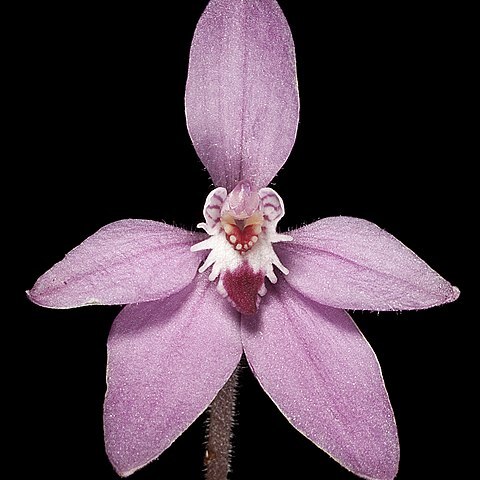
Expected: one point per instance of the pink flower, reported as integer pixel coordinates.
(196, 302)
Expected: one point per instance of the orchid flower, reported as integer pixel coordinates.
(197, 302)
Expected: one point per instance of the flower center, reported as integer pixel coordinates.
(242, 228)
(242, 234)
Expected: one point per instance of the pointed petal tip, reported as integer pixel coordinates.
(37, 299)
(122, 474)
(390, 474)
(47, 301)
(449, 294)
(127, 469)
(126, 473)
(455, 294)
(378, 467)
(384, 472)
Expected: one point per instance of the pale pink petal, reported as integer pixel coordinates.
(127, 261)
(324, 377)
(241, 95)
(351, 263)
(166, 362)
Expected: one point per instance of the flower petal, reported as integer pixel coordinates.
(241, 95)
(127, 261)
(350, 263)
(324, 377)
(166, 362)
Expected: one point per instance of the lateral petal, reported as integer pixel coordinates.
(324, 377)
(128, 261)
(166, 362)
(351, 263)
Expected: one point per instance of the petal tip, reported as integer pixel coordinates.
(34, 298)
(43, 300)
(451, 295)
(382, 467)
(125, 474)
(455, 294)
(387, 471)
(127, 468)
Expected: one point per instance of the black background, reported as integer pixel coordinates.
(384, 133)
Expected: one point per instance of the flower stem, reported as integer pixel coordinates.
(219, 433)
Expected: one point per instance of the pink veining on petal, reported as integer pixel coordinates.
(243, 286)
(212, 210)
(272, 205)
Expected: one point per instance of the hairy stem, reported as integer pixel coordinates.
(219, 433)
